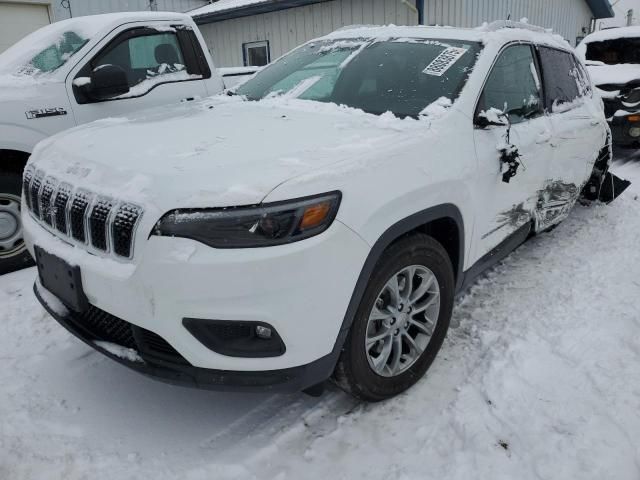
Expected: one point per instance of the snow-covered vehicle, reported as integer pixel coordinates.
(613, 59)
(319, 222)
(79, 70)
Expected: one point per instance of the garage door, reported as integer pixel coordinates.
(18, 20)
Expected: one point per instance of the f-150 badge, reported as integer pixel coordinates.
(45, 112)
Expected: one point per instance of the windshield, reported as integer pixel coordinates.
(44, 51)
(400, 76)
(613, 52)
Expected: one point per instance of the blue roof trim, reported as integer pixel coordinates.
(601, 8)
(255, 9)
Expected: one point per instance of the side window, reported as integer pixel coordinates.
(146, 56)
(583, 79)
(256, 54)
(561, 78)
(513, 86)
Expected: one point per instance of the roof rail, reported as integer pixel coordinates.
(501, 24)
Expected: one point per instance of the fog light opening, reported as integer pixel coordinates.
(263, 332)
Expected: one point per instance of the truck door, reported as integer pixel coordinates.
(512, 138)
(139, 67)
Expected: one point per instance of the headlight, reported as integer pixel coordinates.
(263, 225)
(632, 98)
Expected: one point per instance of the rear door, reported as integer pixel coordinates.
(164, 64)
(506, 196)
(579, 133)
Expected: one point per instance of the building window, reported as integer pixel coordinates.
(256, 54)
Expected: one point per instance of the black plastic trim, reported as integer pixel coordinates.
(287, 380)
(499, 253)
(387, 238)
(247, 346)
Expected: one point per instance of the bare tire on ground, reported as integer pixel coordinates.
(13, 251)
(401, 322)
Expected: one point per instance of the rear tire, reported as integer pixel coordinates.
(13, 251)
(420, 272)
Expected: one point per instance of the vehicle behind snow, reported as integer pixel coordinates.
(613, 60)
(83, 69)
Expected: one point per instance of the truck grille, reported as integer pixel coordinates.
(101, 223)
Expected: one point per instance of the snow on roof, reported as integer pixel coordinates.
(224, 5)
(484, 34)
(613, 34)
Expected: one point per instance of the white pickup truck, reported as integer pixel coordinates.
(87, 68)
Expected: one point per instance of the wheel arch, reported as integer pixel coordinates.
(13, 160)
(443, 222)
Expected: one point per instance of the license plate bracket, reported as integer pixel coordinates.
(62, 280)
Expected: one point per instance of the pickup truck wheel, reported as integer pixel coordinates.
(13, 251)
(401, 322)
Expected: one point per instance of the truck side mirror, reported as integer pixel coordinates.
(107, 81)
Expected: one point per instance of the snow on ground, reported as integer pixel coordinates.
(539, 382)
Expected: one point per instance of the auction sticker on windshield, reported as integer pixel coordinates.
(445, 61)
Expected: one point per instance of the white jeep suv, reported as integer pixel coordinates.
(319, 222)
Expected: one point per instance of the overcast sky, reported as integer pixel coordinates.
(621, 8)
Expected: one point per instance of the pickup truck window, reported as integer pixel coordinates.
(145, 56)
(44, 51)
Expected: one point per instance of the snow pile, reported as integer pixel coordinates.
(539, 382)
(119, 351)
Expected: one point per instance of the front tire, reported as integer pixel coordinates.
(13, 251)
(401, 322)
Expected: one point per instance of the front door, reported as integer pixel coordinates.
(513, 145)
(160, 67)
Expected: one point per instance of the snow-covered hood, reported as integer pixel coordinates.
(218, 152)
(614, 74)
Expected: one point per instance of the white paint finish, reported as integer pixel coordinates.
(17, 20)
(286, 29)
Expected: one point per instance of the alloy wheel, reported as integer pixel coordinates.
(402, 320)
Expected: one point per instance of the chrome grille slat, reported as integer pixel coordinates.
(77, 214)
(49, 187)
(60, 208)
(34, 191)
(99, 223)
(123, 228)
(98, 219)
(26, 184)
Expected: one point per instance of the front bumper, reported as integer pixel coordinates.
(179, 372)
(302, 290)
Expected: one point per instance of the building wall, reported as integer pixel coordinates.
(566, 17)
(289, 28)
(94, 7)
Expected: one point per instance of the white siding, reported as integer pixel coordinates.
(566, 17)
(289, 28)
(94, 7)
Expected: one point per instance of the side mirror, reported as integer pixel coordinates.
(491, 118)
(107, 81)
